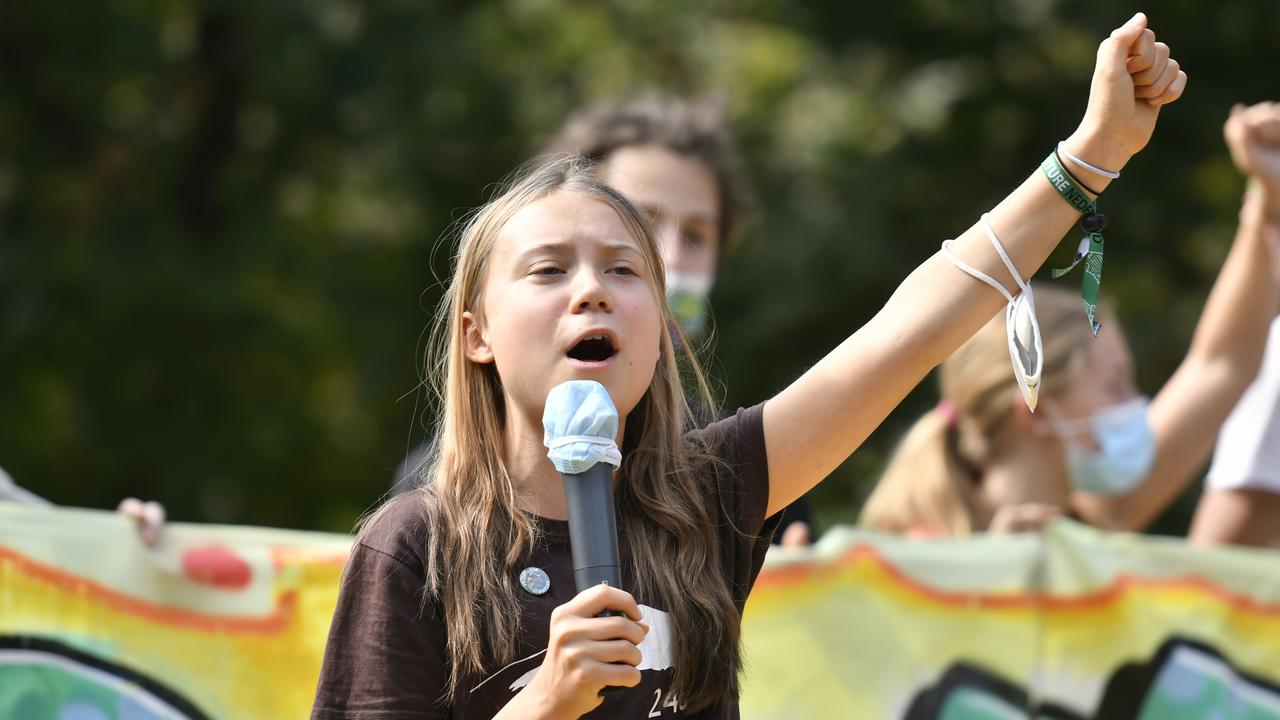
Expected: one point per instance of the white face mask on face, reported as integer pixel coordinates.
(1127, 448)
(688, 294)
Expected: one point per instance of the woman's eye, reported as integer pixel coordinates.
(623, 270)
(545, 270)
(694, 239)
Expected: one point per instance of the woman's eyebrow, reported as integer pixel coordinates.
(551, 247)
(561, 248)
(619, 248)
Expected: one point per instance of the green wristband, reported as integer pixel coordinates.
(1066, 187)
(1090, 250)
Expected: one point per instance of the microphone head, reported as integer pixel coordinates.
(579, 424)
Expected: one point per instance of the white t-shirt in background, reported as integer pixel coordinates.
(1248, 450)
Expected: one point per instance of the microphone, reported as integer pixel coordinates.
(579, 424)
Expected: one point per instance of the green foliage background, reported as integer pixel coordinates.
(220, 222)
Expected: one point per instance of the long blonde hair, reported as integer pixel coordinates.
(932, 478)
(478, 534)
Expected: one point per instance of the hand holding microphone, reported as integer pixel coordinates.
(588, 656)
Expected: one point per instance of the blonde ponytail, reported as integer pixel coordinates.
(926, 487)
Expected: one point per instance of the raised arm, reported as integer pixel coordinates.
(821, 418)
(1226, 350)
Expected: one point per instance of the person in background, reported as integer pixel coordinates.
(1241, 502)
(1097, 449)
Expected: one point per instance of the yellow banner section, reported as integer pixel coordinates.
(229, 622)
(1070, 624)
(215, 622)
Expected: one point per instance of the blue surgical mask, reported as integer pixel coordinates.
(1127, 448)
(687, 295)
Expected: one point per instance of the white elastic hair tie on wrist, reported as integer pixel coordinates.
(1094, 168)
(1026, 350)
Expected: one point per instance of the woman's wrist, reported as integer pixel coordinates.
(532, 705)
(1264, 199)
(1097, 149)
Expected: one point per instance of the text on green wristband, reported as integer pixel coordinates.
(1069, 191)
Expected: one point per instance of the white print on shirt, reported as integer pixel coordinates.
(510, 665)
(655, 650)
(672, 702)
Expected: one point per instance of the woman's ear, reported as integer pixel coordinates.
(473, 340)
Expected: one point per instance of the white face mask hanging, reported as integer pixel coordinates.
(1023, 330)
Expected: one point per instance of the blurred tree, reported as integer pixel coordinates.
(223, 225)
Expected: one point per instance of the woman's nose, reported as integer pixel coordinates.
(591, 292)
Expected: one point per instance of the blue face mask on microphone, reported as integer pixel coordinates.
(579, 423)
(1127, 448)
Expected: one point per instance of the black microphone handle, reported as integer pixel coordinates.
(593, 529)
(593, 534)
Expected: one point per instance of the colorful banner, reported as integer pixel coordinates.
(214, 622)
(229, 622)
(1071, 624)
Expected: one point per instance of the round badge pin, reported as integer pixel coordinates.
(535, 580)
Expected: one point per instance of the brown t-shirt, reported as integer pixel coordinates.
(387, 658)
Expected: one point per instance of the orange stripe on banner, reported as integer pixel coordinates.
(272, 624)
(789, 575)
(282, 556)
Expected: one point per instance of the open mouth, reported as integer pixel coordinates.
(596, 348)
